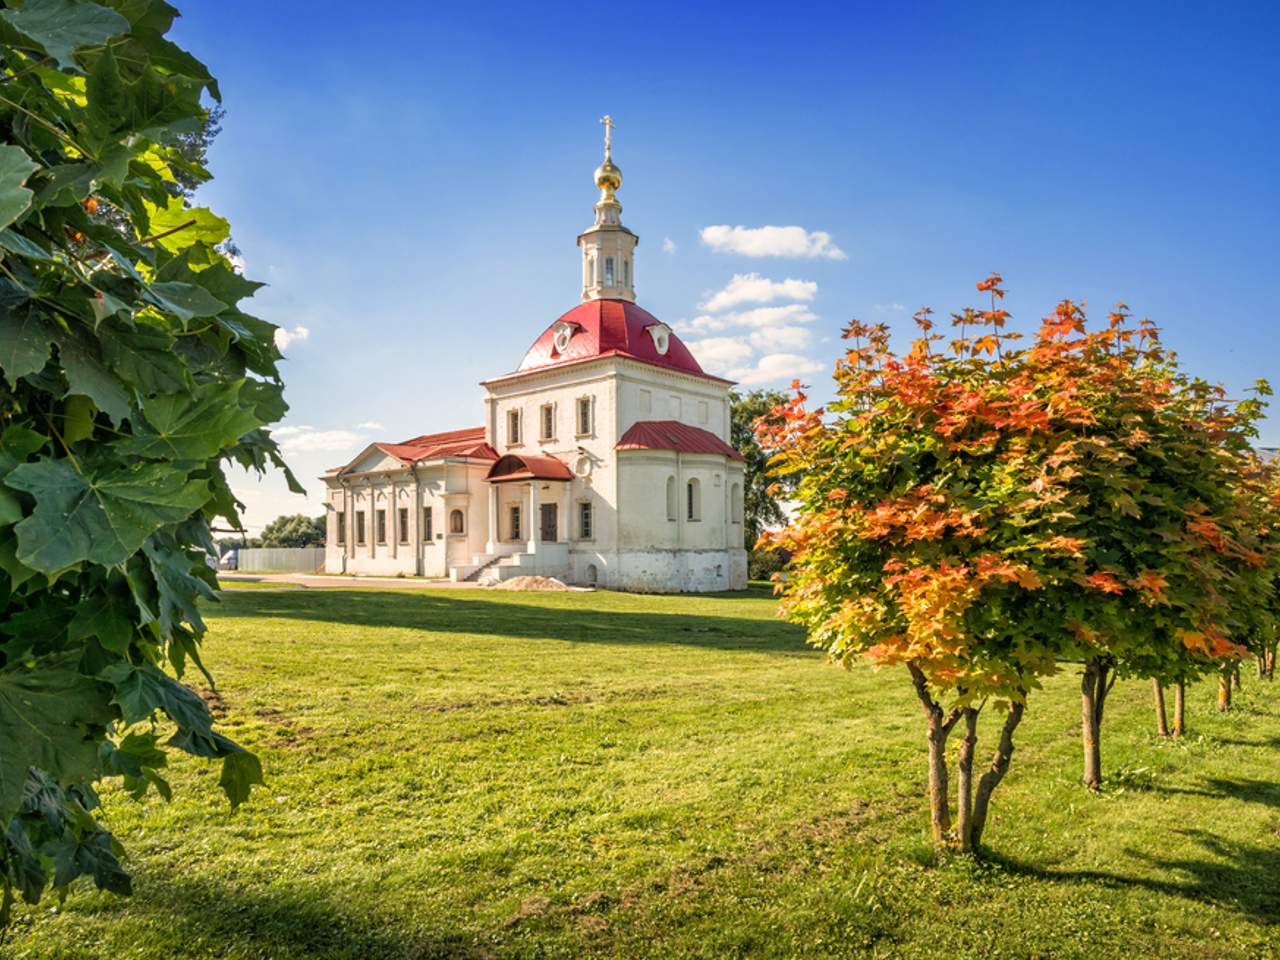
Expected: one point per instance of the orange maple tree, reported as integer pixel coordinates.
(981, 513)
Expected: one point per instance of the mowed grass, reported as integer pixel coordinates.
(474, 774)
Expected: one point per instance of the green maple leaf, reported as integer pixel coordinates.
(59, 26)
(103, 518)
(15, 167)
(194, 426)
(43, 712)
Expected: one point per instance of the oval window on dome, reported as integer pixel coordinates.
(562, 341)
(660, 341)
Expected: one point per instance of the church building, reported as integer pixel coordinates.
(603, 458)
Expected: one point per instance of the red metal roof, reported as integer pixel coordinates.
(674, 435)
(515, 467)
(609, 328)
(436, 446)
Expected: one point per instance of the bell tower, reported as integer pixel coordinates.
(608, 248)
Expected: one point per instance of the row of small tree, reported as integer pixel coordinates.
(983, 513)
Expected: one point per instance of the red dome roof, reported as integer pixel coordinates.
(608, 328)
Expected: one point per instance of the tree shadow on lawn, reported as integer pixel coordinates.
(1239, 877)
(1264, 792)
(293, 924)
(471, 613)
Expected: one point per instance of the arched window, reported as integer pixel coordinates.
(456, 521)
(673, 503)
(592, 573)
(626, 273)
(694, 498)
(608, 271)
(735, 502)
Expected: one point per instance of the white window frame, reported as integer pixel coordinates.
(513, 428)
(547, 421)
(585, 405)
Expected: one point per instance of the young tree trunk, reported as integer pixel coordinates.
(1260, 661)
(1235, 676)
(1271, 662)
(999, 767)
(1094, 687)
(1162, 719)
(964, 785)
(1180, 709)
(939, 728)
(1224, 690)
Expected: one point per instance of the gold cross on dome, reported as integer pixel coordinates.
(609, 127)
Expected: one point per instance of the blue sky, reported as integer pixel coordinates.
(410, 179)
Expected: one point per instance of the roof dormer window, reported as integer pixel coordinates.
(660, 333)
(563, 334)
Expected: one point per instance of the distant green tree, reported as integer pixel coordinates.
(761, 508)
(294, 531)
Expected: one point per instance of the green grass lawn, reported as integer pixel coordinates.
(474, 774)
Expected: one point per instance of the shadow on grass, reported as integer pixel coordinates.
(1233, 875)
(1264, 792)
(284, 923)
(561, 617)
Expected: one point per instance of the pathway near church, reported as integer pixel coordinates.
(335, 580)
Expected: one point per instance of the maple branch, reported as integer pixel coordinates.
(161, 236)
(23, 73)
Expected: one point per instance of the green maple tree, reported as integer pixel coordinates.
(982, 514)
(130, 378)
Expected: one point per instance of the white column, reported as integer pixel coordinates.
(533, 519)
(492, 546)
(568, 511)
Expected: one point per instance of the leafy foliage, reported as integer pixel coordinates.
(294, 531)
(761, 491)
(983, 513)
(129, 378)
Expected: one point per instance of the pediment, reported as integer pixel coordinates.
(373, 460)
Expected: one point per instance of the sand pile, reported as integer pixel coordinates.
(531, 583)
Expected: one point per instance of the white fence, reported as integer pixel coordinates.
(282, 559)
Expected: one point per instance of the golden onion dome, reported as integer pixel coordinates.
(608, 176)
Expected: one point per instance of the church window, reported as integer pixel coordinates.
(694, 497)
(608, 271)
(342, 528)
(735, 502)
(426, 524)
(456, 522)
(382, 526)
(513, 427)
(626, 273)
(360, 527)
(515, 523)
(403, 516)
(584, 520)
(548, 421)
(672, 500)
(584, 416)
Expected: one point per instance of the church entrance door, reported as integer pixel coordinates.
(549, 522)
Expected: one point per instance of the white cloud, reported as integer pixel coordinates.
(370, 426)
(771, 242)
(668, 245)
(320, 440)
(783, 367)
(289, 431)
(718, 354)
(753, 288)
(892, 306)
(777, 338)
(285, 337)
(759, 317)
